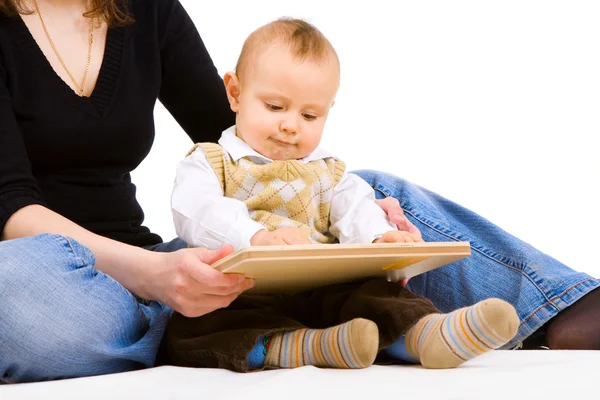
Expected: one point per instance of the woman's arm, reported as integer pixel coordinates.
(192, 90)
(183, 280)
(125, 263)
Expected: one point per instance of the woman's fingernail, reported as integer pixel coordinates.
(398, 216)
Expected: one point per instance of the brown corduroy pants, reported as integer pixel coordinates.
(223, 338)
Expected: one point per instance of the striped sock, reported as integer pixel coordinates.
(448, 340)
(353, 344)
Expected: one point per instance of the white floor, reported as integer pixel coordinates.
(507, 375)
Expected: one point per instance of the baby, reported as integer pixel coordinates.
(267, 182)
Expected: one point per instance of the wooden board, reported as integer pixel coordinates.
(302, 267)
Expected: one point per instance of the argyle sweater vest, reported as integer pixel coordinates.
(280, 193)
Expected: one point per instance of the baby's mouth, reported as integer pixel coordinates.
(283, 143)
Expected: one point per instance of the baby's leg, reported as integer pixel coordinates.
(264, 331)
(224, 338)
(412, 329)
(448, 340)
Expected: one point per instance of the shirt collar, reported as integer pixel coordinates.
(238, 149)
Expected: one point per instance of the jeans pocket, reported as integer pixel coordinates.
(79, 255)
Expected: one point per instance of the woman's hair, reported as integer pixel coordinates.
(113, 12)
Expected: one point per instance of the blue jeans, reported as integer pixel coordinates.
(62, 318)
(500, 265)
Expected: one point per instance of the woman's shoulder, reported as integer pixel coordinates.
(159, 9)
(160, 15)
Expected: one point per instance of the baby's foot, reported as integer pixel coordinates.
(353, 344)
(448, 340)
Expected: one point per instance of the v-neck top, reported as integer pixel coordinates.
(74, 154)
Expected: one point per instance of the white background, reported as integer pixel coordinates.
(493, 104)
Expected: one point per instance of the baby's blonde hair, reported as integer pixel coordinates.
(304, 40)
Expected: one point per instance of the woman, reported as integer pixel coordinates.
(85, 288)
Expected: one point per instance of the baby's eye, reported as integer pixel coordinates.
(309, 117)
(273, 107)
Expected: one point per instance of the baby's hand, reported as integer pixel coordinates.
(282, 236)
(399, 237)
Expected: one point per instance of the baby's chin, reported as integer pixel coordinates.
(283, 155)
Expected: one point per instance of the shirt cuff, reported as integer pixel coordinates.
(239, 236)
(373, 232)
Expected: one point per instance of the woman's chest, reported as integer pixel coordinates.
(112, 128)
(74, 50)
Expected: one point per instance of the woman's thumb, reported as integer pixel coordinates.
(212, 256)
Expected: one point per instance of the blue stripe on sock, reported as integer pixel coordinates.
(324, 347)
(453, 339)
(285, 348)
(474, 322)
(344, 327)
(429, 325)
(256, 357)
(309, 333)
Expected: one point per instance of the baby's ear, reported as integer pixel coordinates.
(232, 87)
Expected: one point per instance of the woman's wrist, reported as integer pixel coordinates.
(138, 271)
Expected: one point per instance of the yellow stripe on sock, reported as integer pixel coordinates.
(298, 348)
(335, 348)
(466, 334)
(327, 347)
(460, 343)
(318, 348)
(488, 330)
(476, 336)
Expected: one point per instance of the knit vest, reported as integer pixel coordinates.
(280, 193)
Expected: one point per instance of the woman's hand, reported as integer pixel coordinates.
(282, 236)
(187, 283)
(392, 208)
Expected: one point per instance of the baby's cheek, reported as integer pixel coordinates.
(310, 144)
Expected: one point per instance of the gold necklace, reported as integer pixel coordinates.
(80, 87)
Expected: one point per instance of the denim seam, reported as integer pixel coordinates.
(383, 191)
(551, 301)
(92, 265)
(69, 246)
(92, 257)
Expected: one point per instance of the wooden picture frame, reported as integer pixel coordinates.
(277, 269)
